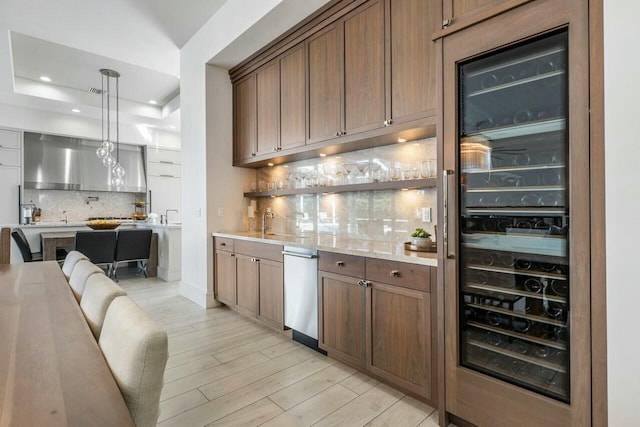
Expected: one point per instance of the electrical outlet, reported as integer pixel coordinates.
(197, 212)
(220, 212)
(426, 214)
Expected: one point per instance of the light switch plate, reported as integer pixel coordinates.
(426, 214)
(220, 212)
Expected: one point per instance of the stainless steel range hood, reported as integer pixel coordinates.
(64, 163)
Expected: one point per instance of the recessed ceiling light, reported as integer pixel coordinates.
(402, 140)
(269, 164)
(152, 102)
(323, 155)
(75, 110)
(45, 79)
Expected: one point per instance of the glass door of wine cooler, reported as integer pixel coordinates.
(514, 216)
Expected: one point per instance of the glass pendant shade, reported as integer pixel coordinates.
(102, 152)
(118, 171)
(108, 145)
(109, 161)
(117, 181)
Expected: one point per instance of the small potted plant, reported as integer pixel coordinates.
(421, 238)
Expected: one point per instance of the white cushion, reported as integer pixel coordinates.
(79, 276)
(70, 261)
(98, 294)
(135, 348)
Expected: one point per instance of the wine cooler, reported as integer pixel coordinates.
(514, 216)
(515, 219)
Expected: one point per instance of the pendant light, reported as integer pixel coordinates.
(108, 146)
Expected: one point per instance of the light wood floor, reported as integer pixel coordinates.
(224, 369)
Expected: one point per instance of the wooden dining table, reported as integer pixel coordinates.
(52, 372)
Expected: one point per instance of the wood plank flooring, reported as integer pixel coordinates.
(227, 370)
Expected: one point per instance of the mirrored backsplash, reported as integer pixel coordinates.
(390, 215)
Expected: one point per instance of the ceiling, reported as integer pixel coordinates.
(69, 41)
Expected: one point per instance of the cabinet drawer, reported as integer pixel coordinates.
(164, 169)
(349, 265)
(224, 244)
(9, 157)
(164, 156)
(9, 139)
(259, 250)
(403, 274)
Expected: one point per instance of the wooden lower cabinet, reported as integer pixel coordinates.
(383, 328)
(399, 336)
(226, 277)
(250, 279)
(271, 293)
(342, 317)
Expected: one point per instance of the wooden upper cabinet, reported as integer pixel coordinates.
(325, 79)
(458, 14)
(293, 86)
(245, 118)
(413, 59)
(268, 108)
(364, 68)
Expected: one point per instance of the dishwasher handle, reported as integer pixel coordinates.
(295, 254)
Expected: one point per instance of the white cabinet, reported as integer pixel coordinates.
(164, 183)
(10, 175)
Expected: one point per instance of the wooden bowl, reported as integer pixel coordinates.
(104, 226)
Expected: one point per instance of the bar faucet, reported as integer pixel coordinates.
(166, 215)
(66, 217)
(265, 215)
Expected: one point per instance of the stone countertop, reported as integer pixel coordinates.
(325, 242)
(76, 224)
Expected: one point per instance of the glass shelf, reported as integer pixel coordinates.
(543, 341)
(515, 83)
(528, 168)
(408, 184)
(524, 129)
(499, 291)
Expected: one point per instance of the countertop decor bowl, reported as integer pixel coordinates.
(103, 225)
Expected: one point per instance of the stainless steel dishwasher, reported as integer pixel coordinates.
(301, 294)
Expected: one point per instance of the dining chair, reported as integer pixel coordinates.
(25, 249)
(99, 292)
(132, 245)
(70, 262)
(81, 272)
(136, 350)
(98, 246)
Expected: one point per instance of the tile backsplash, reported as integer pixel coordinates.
(389, 215)
(81, 205)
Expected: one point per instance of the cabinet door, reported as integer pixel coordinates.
(399, 336)
(268, 115)
(325, 81)
(462, 13)
(413, 59)
(166, 193)
(341, 317)
(246, 284)
(364, 68)
(245, 118)
(271, 293)
(226, 278)
(9, 181)
(293, 98)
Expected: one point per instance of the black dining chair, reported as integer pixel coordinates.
(25, 249)
(99, 246)
(133, 245)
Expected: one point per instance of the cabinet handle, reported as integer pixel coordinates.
(339, 263)
(275, 149)
(344, 132)
(338, 133)
(385, 123)
(253, 154)
(445, 208)
(394, 273)
(166, 162)
(166, 176)
(223, 244)
(363, 283)
(232, 255)
(447, 22)
(253, 260)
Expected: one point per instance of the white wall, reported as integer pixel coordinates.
(622, 90)
(209, 181)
